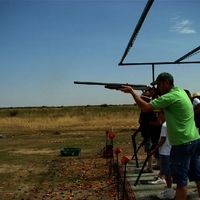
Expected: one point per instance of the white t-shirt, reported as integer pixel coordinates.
(166, 147)
(195, 102)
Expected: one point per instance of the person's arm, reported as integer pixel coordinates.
(144, 106)
(160, 143)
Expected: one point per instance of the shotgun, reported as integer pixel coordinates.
(114, 85)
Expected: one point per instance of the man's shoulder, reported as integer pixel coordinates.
(177, 94)
(177, 90)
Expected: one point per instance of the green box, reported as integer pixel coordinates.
(70, 151)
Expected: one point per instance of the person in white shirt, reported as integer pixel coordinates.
(164, 152)
(196, 106)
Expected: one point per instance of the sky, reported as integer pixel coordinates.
(46, 45)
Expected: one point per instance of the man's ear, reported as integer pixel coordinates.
(166, 81)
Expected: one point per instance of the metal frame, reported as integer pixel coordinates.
(133, 38)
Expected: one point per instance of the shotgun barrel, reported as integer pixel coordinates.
(113, 85)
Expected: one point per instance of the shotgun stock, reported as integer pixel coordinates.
(114, 85)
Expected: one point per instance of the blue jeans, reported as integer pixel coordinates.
(185, 162)
(164, 164)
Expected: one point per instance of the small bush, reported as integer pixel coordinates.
(13, 113)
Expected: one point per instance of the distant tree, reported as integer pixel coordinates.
(103, 105)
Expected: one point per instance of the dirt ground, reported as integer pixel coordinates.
(42, 173)
(81, 179)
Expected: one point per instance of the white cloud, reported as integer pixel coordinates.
(182, 26)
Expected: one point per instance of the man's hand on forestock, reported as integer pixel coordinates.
(126, 89)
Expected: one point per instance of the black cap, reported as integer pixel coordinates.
(161, 77)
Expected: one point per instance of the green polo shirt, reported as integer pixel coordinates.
(179, 116)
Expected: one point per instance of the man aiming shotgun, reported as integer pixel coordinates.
(182, 133)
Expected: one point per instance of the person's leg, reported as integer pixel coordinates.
(149, 166)
(168, 180)
(148, 147)
(168, 193)
(165, 169)
(156, 156)
(194, 173)
(181, 192)
(158, 163)
(149, 163)
(180, 158)
(198, 187)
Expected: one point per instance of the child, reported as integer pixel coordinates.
(164, 153)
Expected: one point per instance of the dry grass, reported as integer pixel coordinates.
(70, 118)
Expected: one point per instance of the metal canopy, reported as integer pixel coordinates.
(191, 53)
(134, 35)
(137, 29)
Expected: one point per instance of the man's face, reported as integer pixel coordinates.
(162, 87)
